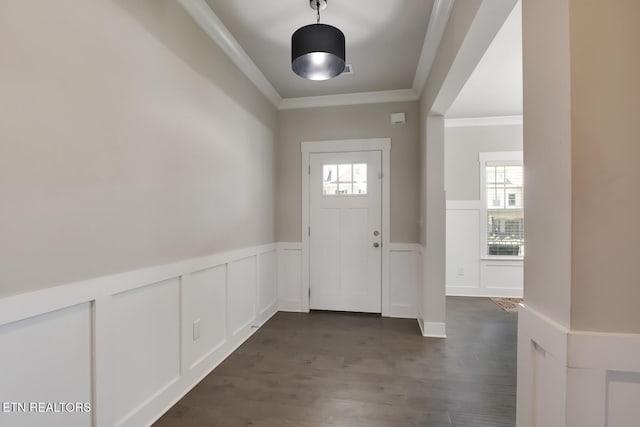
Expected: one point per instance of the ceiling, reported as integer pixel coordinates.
(495, 86)
(384, 41)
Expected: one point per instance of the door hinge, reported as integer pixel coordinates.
(309, 293)
(309, 231)
(309, 169)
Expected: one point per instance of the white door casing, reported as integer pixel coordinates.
(383, 146)
(345, 192)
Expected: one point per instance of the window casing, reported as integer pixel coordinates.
(502, 205)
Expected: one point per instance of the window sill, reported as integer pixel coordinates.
(502, 258)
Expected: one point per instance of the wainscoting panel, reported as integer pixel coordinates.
(204, 294)
(241, 295)
(126, 344)
(466, 273)
(290, 276)
(267, 284)
(623, 398)
(404, 279)
(542, 374)
(502, 278)
(47, 358)
(146, 347)
(575, 378)
(463, 253)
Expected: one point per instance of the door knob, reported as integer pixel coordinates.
(376, 245)
(376, 233)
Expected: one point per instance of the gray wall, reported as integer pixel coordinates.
(605, 126)
(127, 139)
(350, 122)
(461, 148)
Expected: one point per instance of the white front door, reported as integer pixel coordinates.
(345, 197)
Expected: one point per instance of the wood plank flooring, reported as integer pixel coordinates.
(340, 369)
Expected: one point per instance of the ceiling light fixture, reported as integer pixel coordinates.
(318, 50)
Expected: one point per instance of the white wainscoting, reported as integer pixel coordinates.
(404, 277)
(127, 343)
(466, 273)
(405, 260)
(290, 295)
(574, 378)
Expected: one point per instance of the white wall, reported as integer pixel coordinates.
(130, 337)
(466, 273)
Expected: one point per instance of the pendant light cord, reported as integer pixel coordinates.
(318, 10)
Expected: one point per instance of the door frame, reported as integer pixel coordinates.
(344, 146)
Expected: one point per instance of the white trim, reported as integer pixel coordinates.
(463, 291)
(400, 95)
(216, 30)
(483, 121)
(586, 351)
(403, 247)
(22, 306)
(433, 329)
(437, 24)
(346, 145)
(463, 205)
(349, 145)
(293, 302)
(500, 156)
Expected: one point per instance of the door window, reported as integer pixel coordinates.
(345, 179)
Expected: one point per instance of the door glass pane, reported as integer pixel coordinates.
(329, 179)
(345, 188)
(344, 172)
(360, 188)
(360, 172)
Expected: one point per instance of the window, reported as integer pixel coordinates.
(348, 179)
(502, 204)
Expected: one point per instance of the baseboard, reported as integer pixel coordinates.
(403, 311)
(433, 329)
(460, 291)
(293, 306)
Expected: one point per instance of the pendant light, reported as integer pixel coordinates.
(318, 50)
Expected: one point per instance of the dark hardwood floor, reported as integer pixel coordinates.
(339, 369)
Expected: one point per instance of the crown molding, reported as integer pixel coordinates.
(435, 30)
(218, 32)
(483, 121)
(400, 95)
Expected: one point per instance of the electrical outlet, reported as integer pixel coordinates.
(196, 329)
(460, 271)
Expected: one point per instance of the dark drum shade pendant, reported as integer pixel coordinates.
(318, 50)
